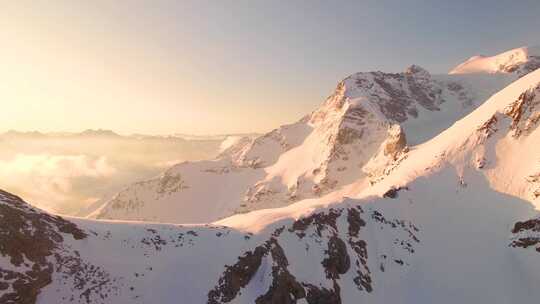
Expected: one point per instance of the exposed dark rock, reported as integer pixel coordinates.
(355, 221)
(395, 143)
(30, 236)
(527, 234)
(320, 221)
(526, 242)
(321, 295)
(338, 260)
(402, 92)
(425, 95)
(393, 192)
(45, 242)
(532, 225)
(347, 136)
(522, 69)
(356, 115)
(237, 276)
(170, 183)
(524, 112)
(363, 276)
(318, 229)
(531, 65)
(363, 281)
(285, 289)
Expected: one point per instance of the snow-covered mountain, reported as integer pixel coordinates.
(358, 132)
(452, 222)
(320, 258)
(519, 62)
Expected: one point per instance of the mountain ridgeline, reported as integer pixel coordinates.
(358, 133)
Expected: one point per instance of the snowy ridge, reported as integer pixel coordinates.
(518, 61)
(489, 139)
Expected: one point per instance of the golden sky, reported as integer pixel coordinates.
(209, 67)
(69, 67)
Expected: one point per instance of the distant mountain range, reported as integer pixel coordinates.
(111, 134)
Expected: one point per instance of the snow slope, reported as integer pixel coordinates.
(370, 115)
(519, 62)
(85, 261)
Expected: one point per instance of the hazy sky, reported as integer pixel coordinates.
(224, 66)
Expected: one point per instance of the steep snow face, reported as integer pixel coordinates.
(350, 137)
(520, 62)
(499, 140)
(469, 190)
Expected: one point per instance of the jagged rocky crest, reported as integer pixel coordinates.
(337, 247)
(32, 241)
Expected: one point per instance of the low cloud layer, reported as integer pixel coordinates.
(67, 174)
(52, 180)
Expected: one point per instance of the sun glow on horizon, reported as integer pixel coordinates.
(162, 67)
(67, 69)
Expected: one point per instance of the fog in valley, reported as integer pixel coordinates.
(67, 173)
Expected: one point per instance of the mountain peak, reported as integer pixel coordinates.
(29, 134)
(416, 70)
(369, 116)
(518, 61)
(99, 132)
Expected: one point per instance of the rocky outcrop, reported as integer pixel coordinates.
(334, 242)
(525, 112)
(36, 250)
(395, 143)
(526, 234)
(399, 95)
(523, 115)
(531, 65)
(393, 192)
(31, 240)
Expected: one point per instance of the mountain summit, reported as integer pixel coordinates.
(359, 133)
(520, 62)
